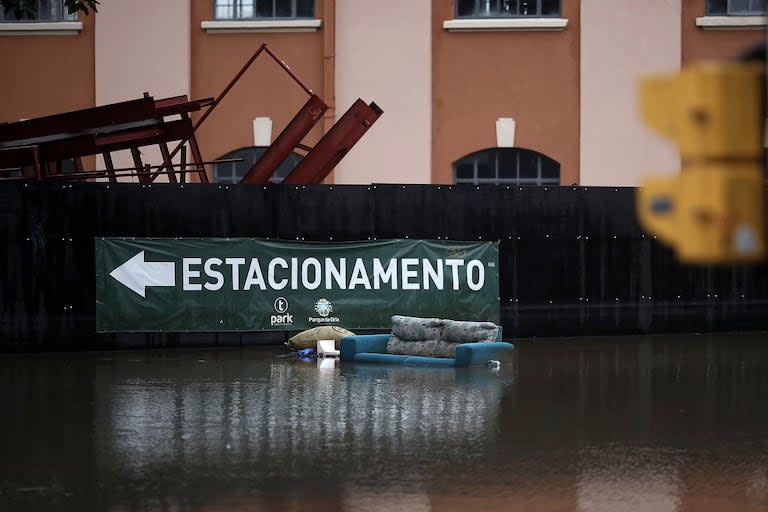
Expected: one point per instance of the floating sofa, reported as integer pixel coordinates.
(430, 342)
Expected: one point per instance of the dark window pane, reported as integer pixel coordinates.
(465, 171)
(264, 9)
(485, 171)
(550, 7)
(527, 8)
(738, 7)
(717, 6)
(529, 161)
(49, 10)
(465, 8)
(283, 9)
(758, 7)
(305, 8)
(550, 169)
(508, 164)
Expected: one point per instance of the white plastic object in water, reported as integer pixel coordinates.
(326, 363)
(326, 348)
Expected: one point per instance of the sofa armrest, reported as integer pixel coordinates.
(372, 343)
(478, 354)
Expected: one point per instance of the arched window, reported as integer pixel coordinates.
(509, 166)
(232, 172)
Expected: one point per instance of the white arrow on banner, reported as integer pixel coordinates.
(136, 274)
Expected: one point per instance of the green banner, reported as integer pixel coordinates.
(239, 284)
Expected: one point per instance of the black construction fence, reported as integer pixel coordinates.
(573, 260)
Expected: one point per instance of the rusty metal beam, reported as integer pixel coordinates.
(183, 163)
(79, 120)
(319, 163)
(110, 166)
(243, 69)
(89, 145)
(136, 154)
(131, 171)
(168, 163)
(288, 139)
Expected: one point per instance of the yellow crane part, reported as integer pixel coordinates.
(713, 211)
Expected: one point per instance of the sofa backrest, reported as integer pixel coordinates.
(468, 332)
(437, 337)
(411, 328)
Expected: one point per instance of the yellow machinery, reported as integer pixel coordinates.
(713, 212)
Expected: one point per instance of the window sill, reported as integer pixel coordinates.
(248, 26)
(54, 28)
(499, 24)
(731, 22)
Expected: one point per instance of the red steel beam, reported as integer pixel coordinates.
(288, 139)
(79, 120)
(319, 163)
(215, 103)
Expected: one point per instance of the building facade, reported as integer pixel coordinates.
(529, 92)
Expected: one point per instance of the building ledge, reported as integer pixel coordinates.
(54, 28)
(504, 24)
(247, 26)
(732, 22)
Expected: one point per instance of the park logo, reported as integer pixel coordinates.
(282, 317)
(323, 307)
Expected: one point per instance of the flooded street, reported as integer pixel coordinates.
(664, 423)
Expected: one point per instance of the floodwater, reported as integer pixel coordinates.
(657, 424)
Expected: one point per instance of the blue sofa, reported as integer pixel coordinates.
(372, 348)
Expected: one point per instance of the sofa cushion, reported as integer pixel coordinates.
(468, 332)
(308, 338)
(428, 348)
(411, 328)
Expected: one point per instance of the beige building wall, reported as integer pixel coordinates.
(383, 54)
(141, 45)
(618, 46)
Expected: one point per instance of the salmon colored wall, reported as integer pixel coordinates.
(699, 44)
(395, 72)
(45, 75)
(478, 77)
(618, 48)
(265, 90)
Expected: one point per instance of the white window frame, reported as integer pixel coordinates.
(237, 25)
(505, 23)
(488, 14)
(733, 19)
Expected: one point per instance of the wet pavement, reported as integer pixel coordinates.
(665, 423)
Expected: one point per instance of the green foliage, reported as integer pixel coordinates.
(27, 9)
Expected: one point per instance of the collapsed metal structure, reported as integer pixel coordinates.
(34, 149)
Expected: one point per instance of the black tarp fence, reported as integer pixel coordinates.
(573, 260)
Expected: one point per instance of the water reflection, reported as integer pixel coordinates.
(290, 412)
(665, 424)
(620, 476)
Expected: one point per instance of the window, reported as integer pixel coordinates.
(507, 8)
(736, 8)
(261, 9)
(47, 11)
(506, 166)
(232, 172)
